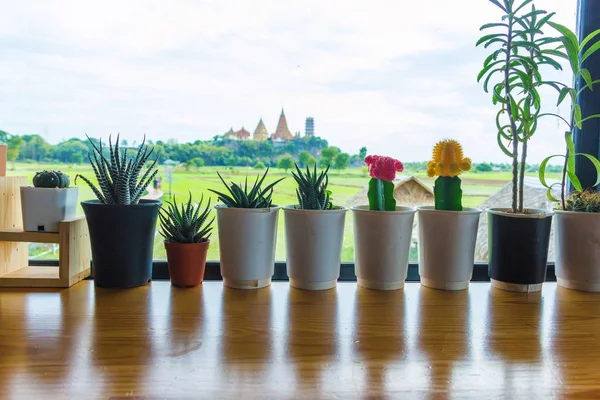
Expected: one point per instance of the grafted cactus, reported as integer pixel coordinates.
(447, 163)
(118, 176)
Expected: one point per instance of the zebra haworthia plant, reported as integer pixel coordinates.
(120, 178)
(312, 190)
(186, 223)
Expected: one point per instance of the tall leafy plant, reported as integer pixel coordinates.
(512, 74)
(576, 54)
(120, 178)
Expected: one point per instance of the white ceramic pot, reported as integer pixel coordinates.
(247, 238)
(447, 247)
(577, 249)
(382, 242)
(44, 208)
(314, 246)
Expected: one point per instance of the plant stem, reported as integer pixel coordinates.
(563, 182)
(513, 125)
(522, 175)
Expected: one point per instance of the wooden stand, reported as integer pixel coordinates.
(73, 239)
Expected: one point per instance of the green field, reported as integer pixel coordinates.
(345, 184)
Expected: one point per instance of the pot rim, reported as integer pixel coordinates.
(540, 214)
(465, 211)
(400, 210)
(33, 187)
(292, 208)
(575, 212)
(273, 208)
(186, 244)
(142, 203)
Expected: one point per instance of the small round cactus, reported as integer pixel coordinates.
(51, 179)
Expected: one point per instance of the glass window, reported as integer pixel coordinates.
(235, 86)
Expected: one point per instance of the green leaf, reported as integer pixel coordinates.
(526, 2)
(588, 38)
(577, 115)
(593, 48)
(562, 95)
(493, 25)
(596, 163)
(497, 3)
(504, 149)
(542, 170)
(595, 116)
(448, 194)
(491, 36)
(587, 77)
(555, 53)
(487, 68)
(487, 80)
(570, 152)
(575, 181)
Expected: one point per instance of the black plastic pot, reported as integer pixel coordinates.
(122, 239)
(518, 246)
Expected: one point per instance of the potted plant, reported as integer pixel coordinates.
(121, 226)
(314, 230)
(518, 236)
(382, 231)
(49, 201)
(186, 232)
(247, 225)
(577, 219)
(447, 231)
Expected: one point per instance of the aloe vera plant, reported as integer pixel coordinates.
(312, 190)
(186, 223)
(240, 197)
(120, 178)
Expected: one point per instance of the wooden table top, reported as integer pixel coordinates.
(283, 343)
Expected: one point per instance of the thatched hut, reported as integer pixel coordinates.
(534, 197)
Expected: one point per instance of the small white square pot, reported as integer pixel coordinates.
(314, 241)
(577, 248)
(382, 246)
(447, 247)
(44, 208)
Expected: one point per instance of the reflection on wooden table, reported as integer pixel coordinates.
(283, 343)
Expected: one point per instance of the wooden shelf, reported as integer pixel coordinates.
(31, 237)
(72, 238)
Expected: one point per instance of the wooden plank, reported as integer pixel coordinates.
(211, 342)
(32, 277)
(30, 237)
(13, 256)
(75, 251)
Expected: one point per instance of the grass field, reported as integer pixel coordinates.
(345, 184)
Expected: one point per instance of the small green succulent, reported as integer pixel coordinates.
(586, 201)
(240, 197)
(186, 223)
(312, 190)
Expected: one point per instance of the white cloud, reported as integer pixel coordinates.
(192, 69)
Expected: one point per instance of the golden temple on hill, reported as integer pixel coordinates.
(282, 132)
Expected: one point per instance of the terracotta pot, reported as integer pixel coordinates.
(447, 247)
(314, 241)
(382, 242)
(247, 239)
(518, 249)
(577, 246)
(187, 262)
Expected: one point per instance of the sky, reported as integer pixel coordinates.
(394, 76)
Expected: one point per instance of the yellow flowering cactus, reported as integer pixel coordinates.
(447, 163)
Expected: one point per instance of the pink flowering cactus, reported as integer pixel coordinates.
(381, 188)
(383, 167)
